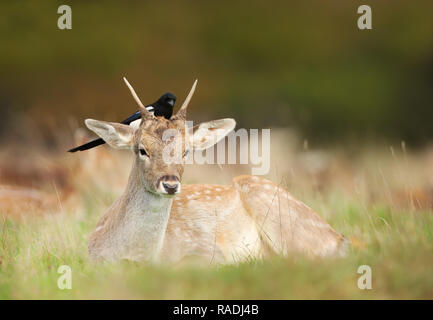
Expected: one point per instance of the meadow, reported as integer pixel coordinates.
(379, 195)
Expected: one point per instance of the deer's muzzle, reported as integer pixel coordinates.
(169, 185)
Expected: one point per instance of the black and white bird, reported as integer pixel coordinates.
(163, 107)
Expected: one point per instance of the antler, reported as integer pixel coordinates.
(181, 114)
(143, 110)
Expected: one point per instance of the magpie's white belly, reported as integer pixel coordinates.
(135, 124)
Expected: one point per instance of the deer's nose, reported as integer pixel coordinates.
(169, 184)
(170, 187)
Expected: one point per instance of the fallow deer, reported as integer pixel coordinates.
(154, 221)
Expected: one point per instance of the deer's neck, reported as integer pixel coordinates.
(144, 220)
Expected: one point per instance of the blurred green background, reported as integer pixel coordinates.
(303, 64)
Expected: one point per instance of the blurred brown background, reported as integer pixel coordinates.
(350, 113)
(302, 64)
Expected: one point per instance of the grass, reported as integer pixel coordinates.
(397, 246)
(396, 241)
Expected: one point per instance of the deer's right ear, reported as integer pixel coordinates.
(118, 136)
(209, 133)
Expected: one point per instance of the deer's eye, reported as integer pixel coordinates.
(142, 152)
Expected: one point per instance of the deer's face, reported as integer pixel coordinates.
(160, 146)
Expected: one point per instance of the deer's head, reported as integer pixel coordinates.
(160, 146)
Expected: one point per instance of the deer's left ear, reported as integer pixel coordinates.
(118, 136)
(209, 133)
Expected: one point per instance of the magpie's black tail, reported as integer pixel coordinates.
(88, 145)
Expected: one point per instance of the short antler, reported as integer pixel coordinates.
(181, 114)
(143, 110)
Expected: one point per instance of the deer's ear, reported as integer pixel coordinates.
(118, 136)
(209, 133)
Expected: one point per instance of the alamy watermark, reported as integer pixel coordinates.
(65, 20)
(364, 281)
(364, 21)
(254, 149)
(65, 280)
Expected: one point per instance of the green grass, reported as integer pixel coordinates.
(397, 245)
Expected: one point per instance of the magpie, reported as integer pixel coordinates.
(163, 107)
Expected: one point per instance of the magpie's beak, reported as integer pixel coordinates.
(171, 102)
